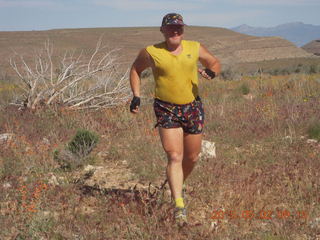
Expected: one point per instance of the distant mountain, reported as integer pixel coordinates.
(313, 47)
(296, 32)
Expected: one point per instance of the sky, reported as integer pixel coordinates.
(56, 14)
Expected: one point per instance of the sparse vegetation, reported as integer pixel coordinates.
(264, 183)
(244, 89)
(300, 68)
(314, 131)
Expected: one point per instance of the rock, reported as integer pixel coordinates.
(6, 137)
(312, 141)
(214, 226)
(53, 180)
(85, 210)
(89, 168)
(208, 149)
(248, 96)
(288, 138)
(111, 177)
(28, 149)
(103, 155)
(67, 159)
(6, 185)
(116, 177)
(315, 224)
(46, 141)
(49, 214)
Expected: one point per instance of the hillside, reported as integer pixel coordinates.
(312, 47)
(262, 184)
(296, 32)
(83, 174)
(229, 46)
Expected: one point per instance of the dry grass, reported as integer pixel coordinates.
(264, 183)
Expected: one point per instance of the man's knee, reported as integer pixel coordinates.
(192, 158)
(175, 157)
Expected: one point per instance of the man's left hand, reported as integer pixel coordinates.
(207, 73)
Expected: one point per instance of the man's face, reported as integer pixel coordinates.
(172, 33)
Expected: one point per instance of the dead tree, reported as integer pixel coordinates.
(73, 80)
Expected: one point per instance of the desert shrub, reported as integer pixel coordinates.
(312, 69)
(314, 131)
(274, 72)
(83, 142)
(285, 71)
(244, 89)
(298, 68)
(77, 150)
(68, 160)
(229, 74)
(10, 167)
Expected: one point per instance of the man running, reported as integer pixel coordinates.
(177, 105)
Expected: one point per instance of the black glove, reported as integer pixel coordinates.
(135, 102)
(210, 73)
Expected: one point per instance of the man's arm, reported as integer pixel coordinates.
(142, 62)
(210, 62)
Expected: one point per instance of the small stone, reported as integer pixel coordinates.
(46, 141)
(208, 149)
(315, 223)
(312, 141)
(214, 226)
(89, 168)
(248, 96)
(103, 155)
(53, 180)
(6, 137)
(6, 185)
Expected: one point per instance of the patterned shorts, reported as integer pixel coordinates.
(188, 116)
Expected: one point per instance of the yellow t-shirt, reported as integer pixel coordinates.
(176, 77)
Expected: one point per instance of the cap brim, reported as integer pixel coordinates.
(176, 24)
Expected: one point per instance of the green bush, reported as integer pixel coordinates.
(314, 131)
(83, 142)
(312, 69)
(244, 89)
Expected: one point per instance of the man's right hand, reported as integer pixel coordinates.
(134, 105)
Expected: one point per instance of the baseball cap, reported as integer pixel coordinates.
(172, 19)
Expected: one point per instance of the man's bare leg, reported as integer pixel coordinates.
(172, 142)
(192, 148)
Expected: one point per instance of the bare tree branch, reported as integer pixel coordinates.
(78, 82)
